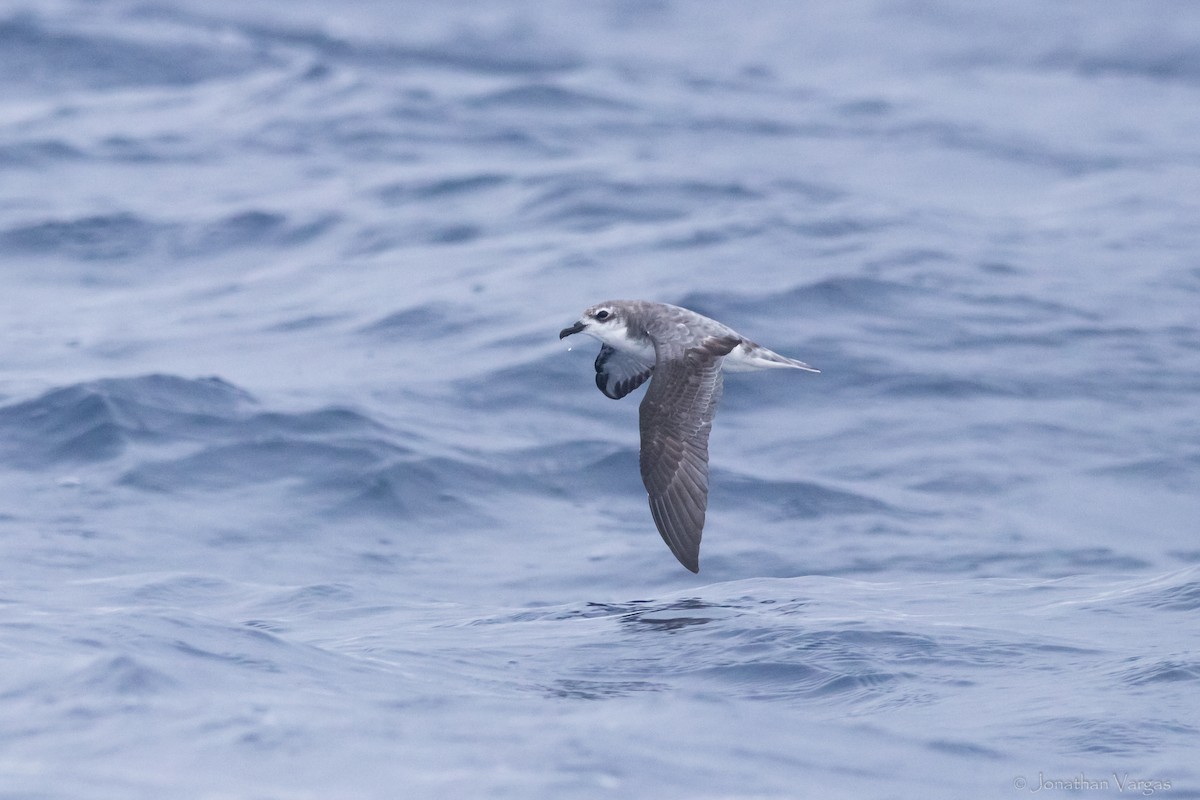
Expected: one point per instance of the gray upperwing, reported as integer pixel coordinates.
(676, 417)
(619, 373)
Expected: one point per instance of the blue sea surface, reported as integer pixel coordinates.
(302, 497)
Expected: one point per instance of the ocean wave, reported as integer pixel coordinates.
(41, 53)
(99, 237)
(542, 96)
(95, 421)
(125, 236)
(403, 519)
(590, 204)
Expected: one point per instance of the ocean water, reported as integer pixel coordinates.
(302, 497)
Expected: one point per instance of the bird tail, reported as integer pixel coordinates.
(751, 356)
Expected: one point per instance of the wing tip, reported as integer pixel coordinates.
(685, 551)
(602, 385)
(690, 561)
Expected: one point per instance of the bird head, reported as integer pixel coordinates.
(603, 321)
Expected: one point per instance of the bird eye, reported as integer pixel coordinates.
(602, 314)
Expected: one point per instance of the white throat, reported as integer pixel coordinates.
(617, 336)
